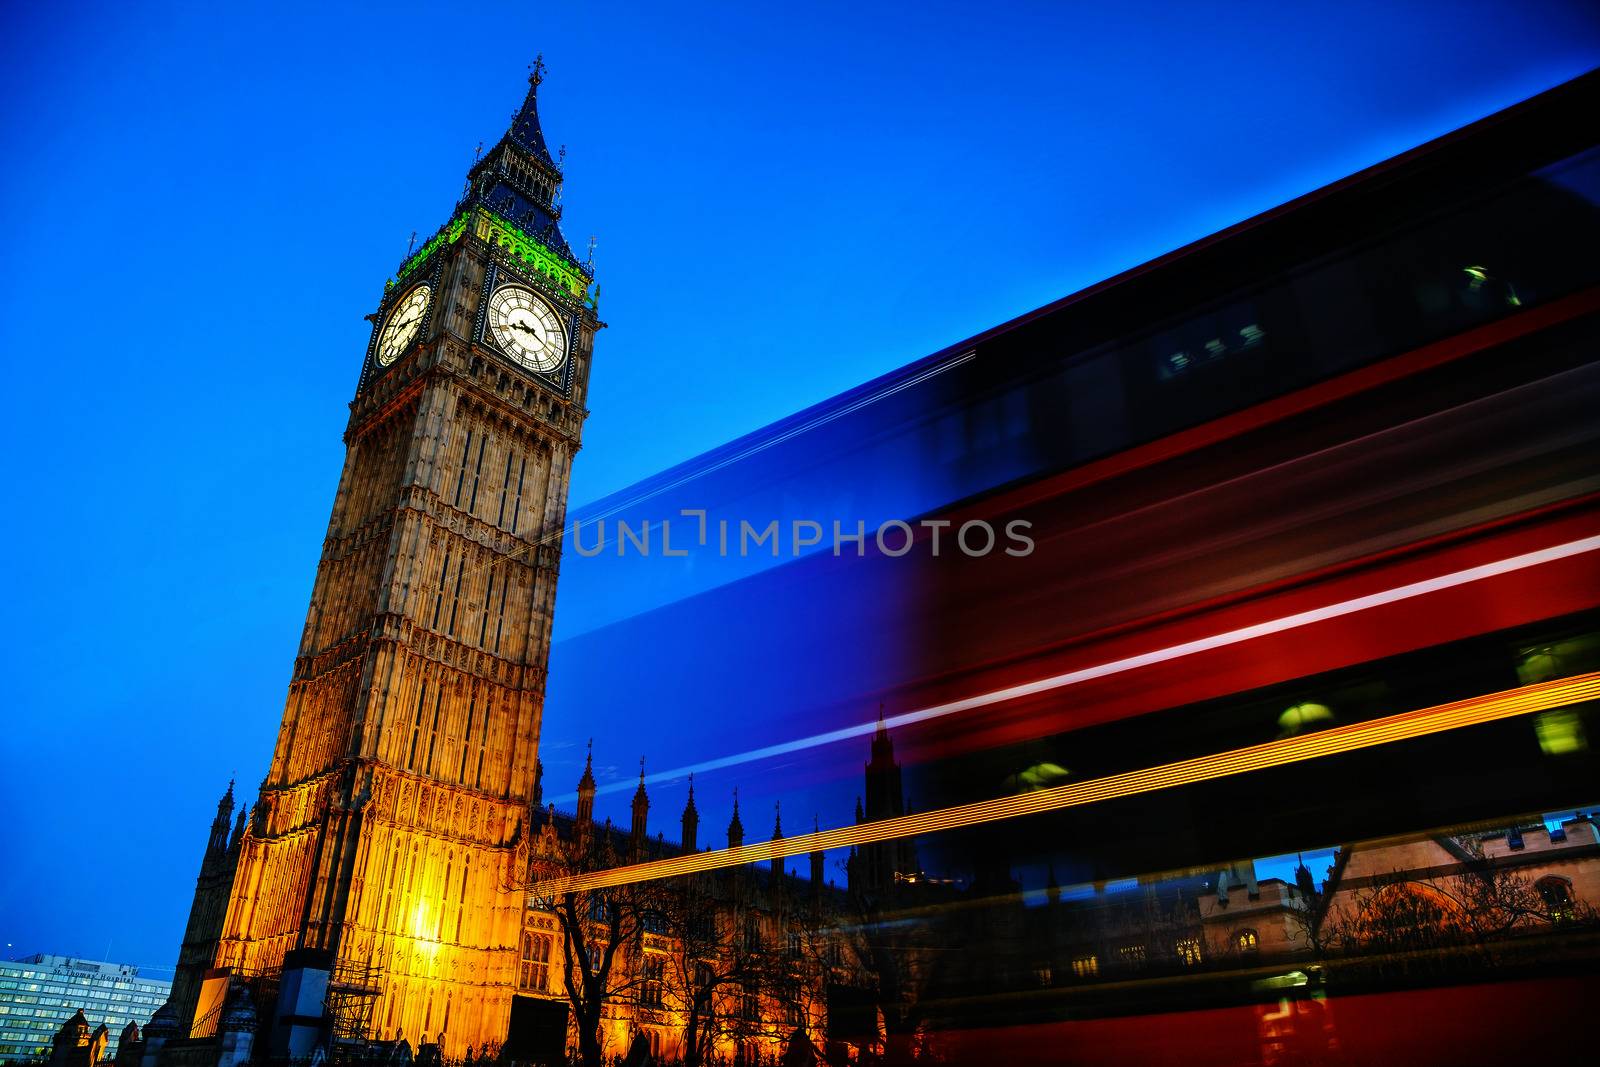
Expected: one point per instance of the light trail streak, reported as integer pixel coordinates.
(1383, 731)
(1310, 617)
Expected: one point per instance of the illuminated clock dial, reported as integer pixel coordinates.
(404, 322)
(527, 329)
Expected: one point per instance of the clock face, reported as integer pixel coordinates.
(527, 329)
(404, 322)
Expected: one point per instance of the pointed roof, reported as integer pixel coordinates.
(882, 745)
(734, 824)
(639, 795)
(525, 131)
(519, 181)
(587, 781)
(689, 808)
(777, 820)
(219, 825)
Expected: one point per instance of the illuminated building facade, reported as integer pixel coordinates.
(388, 826)
(41, 992)
(749, 952)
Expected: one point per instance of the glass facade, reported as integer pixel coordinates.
(39, 993)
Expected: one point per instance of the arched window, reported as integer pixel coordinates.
(1246, 942)
(1556, 893)
(534, 973)
(650, 994)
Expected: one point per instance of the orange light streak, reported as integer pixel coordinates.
(1405, 726)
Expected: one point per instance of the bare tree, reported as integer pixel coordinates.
(1400, 922)
(1308, 919)
(708, 959)
(725, 959)
(1497, 900)
(890, 946)
(600, 930)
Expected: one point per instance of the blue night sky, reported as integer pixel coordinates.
(199, 207)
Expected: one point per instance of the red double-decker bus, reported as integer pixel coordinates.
(1278, 745)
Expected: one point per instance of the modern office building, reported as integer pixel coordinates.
(40, 992)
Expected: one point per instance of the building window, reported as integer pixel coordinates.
(1556, 893)
(794, 943)
(1133, 955)
(752, 934)
(534, 973)
(1086, 966)
(1246, 942)
(650, 990)
(1187, 950)
(750, 1004)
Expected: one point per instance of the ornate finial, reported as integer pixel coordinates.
(641, 772)
(588, 761)
(561, 156)
(880, 713)
(536, 70)
(477, 153)
(736, 800)
(590, 263)
(777, 818)
(411, 244)
(691, 785)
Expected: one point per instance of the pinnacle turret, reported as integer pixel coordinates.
(586, 789)
(218, 841)
(735, 827)
(777, 835)
(641, 812)
(691, 821)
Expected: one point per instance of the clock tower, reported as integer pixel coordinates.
(389, 843)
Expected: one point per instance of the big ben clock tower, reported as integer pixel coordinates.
(390, 829)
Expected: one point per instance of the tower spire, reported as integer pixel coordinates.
(586, 789)
(776, 884)
(691, 821)
(641, 812)
(816, 864)
(525, 131)
(735, 827)
(218, 841)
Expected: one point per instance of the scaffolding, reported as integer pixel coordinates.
(353, 990)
